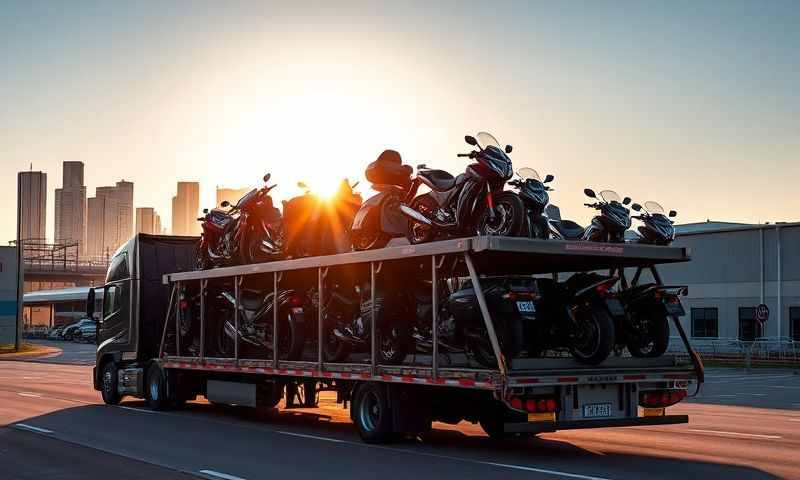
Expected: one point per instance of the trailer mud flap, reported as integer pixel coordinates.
(412, 409)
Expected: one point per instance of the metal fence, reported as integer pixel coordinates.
(777, 350)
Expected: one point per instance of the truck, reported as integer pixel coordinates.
(140, 354)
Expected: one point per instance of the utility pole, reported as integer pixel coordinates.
(20, 268)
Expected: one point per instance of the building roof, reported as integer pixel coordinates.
(712, 226)
(57, 296)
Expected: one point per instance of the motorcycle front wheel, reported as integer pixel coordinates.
(593, 339)
(392, 345)
(509, 216)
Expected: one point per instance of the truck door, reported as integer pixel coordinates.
(115, 321)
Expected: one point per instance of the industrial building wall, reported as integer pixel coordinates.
(731, 270)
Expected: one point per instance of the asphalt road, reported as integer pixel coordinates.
(742, 426)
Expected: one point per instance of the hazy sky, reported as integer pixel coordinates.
(693, 104)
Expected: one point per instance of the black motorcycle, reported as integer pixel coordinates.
(576, 314)
(469, 204)
(609, 226)
(461, 328)
(656, 228)
(533, 192)
(248, 232)
(347, 321)
(255, 330)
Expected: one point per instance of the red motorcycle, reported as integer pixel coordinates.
(248, 232)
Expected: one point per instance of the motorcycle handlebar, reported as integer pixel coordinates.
(464, 155)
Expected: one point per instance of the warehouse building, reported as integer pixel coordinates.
(734, 268)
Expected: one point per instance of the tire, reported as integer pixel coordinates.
(655, 341)
(108, 384)
(509, 334)
(392, 345)
(420, 233)
(595, 343)
(509, 216)
(201, 257)
(335, 350)
(156, 391)
(364, 240)
(371, 415)
(291, 339)
(492, 417)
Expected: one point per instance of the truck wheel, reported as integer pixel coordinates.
(156, 393)
(108, 384)
(371, 414)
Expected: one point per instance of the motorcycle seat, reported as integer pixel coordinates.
(437, 179)
(568, 229)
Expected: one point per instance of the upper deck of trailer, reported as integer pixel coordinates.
(492, 256)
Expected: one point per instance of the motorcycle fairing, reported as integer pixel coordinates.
(374, 209)
(471, 193)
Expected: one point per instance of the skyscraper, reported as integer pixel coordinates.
(32, 195)
(230, 194)
(124, 196)
(70, 218)
(113, 230)
(103, 233)
(148, 221)
(185, 208)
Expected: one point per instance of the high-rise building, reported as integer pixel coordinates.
(232, 195)
(124, 196)
(32, 197)
(70, 211)
(185, 208)
(103, 234)
(120, 228)
(148, 221)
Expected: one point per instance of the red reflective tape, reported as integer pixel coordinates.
(437, 381)
(283, 371)
(345, 375)
(327, 374)
(634, 377)
(466, 382)
(527, 381)
(567, 379)
(365, 375)
(388, 378)
(299, 372)
(408, 379)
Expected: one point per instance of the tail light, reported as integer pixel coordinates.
(519, 295)
(184, 304)
(661, 398)
(295, 301)
(534, 404)
(604, 287)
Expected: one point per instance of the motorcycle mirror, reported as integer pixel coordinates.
(225, 204)
(90, 303)
(636, 207)
(205, 210)
(302, 185)
(673, 213)
(470, 140)
(549, 178)
(626, 200)
(589, 193)
(509, 148)
(267, 177)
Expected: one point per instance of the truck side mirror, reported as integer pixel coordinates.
(90, 303)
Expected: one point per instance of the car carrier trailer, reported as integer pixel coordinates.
(144, 358)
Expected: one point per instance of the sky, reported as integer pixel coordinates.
(693, 104)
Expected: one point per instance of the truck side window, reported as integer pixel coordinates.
(118, 270)
(111, 300)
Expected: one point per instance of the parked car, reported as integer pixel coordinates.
(70, 330)
(36, 331)
(86, 333)
(55, 333)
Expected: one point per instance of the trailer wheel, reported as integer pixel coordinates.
(156, 392)
(371, 414)
(108, 383)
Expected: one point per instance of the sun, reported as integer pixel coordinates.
(324, 186)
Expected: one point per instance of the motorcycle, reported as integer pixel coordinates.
(576, 314)
(533, 192)
(472, 203)
(609, 226)
(316, 226)
(460, 325)
(656, 228)
(255, 332)
(249, 232)
(347, 322)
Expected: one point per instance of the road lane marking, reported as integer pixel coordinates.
(224, 476)
(791, 387)
(134, 409)
(736, 434)
(25, 426)
(29, 394)
(545, 471)
(753, 394)
(794, 419)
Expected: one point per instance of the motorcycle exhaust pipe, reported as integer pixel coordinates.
(420, 218)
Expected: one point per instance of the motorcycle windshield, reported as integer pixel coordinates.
(528, 174)
(246, 199)
(653, 208)
(486, 139)
(609, 196)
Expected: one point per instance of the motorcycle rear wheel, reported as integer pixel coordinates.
(595, 342)
(509, 216)
(419, 232)
(369, 240)
(654, 342)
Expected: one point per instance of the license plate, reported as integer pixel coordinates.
(597, 410)
(526, 307)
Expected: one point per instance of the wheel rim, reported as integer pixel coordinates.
(502, 223)
(107, 381)
(420, 231)
(370, 411)
(154, 388)
(588, 336)
(389, 344)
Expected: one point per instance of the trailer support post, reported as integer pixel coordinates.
(320, 332)
(178, 323)
(434, 319)
(372, 323)
(166, 323)
(203, 283)
(487, 318)
(237, 281)
(275, 320)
